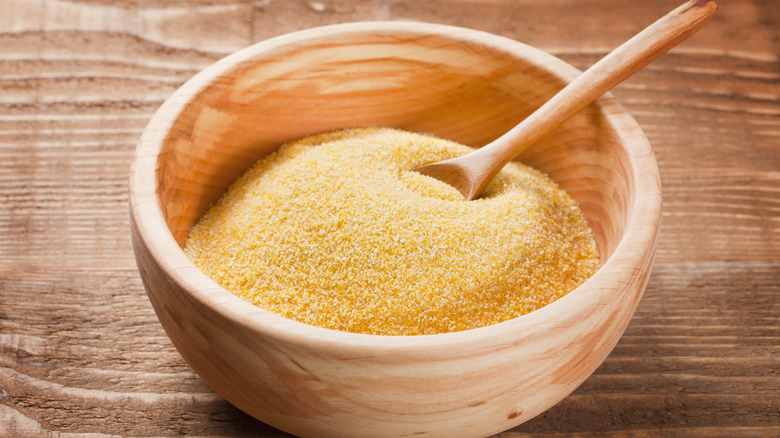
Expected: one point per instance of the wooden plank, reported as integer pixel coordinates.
(588, 25)
(724, 208)
(100, 353)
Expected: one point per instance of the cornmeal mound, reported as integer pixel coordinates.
(335, 230)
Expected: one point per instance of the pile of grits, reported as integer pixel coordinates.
(337, 231)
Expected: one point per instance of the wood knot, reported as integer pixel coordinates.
(514, 414)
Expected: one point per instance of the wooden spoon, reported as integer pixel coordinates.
(471, 173)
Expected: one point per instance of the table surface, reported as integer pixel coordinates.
(81, 350)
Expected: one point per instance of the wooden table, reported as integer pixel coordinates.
(81, 350)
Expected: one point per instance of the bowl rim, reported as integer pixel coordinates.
(636, 245)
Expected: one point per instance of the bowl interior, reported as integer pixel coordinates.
(460, 87)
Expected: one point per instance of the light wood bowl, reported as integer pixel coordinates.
(456, 83)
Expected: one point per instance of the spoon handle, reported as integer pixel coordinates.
(618, 65)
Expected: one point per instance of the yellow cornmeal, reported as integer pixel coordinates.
(336, 231)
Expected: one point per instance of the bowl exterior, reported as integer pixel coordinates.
(316, 382)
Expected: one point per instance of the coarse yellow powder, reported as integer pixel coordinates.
(337, 231)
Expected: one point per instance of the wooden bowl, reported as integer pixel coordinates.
(456, 83)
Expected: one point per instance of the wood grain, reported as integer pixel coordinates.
(82, 352)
